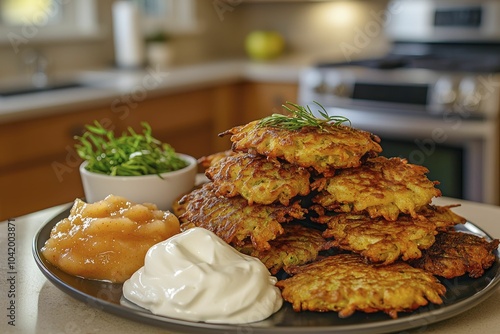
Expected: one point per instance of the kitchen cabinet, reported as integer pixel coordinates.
(188, 121)
(39, 167)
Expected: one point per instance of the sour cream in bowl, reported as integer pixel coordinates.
(196, 276)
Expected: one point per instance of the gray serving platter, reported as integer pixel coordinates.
(462, 294)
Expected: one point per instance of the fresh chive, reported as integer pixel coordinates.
(129, 154)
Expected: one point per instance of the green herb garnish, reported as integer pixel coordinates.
(131, 154)
(300, 117)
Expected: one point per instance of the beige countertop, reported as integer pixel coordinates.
(42, 308)
(102, 86)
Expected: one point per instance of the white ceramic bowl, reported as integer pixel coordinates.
(141, 189)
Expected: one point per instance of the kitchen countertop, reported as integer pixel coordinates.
(102, 86)
(43, 308)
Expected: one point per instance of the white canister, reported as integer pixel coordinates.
(128, 39)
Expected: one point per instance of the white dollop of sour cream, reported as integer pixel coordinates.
(196, 276)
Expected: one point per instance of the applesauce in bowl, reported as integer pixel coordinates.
(107, 240)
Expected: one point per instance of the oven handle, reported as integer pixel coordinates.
(452, 126)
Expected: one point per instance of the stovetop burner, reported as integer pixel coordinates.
(464, 64)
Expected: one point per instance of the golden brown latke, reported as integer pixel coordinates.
(178, 208)
(298, 245)
(336, 146)
(345, 283)
(382, 187)
(258, 179)
(456, 253)
(442, 216)
(379, 240)
(209, 160)
(233, 220)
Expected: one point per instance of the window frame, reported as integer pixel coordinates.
(180, 20)
(80, 20)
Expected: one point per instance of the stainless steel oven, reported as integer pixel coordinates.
(434, 99)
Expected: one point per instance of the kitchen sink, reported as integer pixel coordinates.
(16, 91)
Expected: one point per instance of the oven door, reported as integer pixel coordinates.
(461, 153)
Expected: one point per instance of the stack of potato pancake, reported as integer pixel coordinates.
(346, 229)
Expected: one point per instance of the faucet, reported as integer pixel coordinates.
(38, 64)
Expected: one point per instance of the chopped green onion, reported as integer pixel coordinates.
(127, 155)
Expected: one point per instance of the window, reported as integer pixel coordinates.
(24, 20)
(173, 16)
(155, 8)
(18, 13)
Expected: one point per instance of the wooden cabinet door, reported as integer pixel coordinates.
(39, 166)
(38, 163)
(263, 99)
(188, 121)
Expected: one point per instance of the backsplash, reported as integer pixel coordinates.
(336, 29)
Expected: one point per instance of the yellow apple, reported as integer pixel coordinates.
(264, 44)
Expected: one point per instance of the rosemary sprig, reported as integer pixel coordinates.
(300, 117)
(131, 154)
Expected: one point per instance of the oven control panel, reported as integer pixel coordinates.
(443, 20)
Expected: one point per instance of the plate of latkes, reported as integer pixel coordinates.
(462, 294)
(351, 236)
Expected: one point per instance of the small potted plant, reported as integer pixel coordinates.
(158, 49)
(134, 165)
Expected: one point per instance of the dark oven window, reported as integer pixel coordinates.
(445, 163)
(414, 94)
